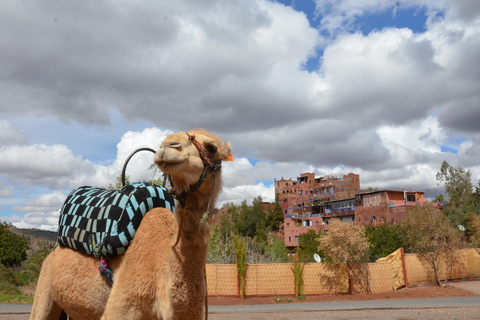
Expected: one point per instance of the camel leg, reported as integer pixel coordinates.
(44, 307)
(141, 281)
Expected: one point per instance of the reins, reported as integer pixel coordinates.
(208, 165)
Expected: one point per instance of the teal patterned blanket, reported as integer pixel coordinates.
(102, 222)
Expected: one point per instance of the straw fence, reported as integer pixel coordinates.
(323, 278)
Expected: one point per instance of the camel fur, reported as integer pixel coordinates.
(154, 279)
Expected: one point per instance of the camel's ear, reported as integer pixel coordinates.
(226, 152)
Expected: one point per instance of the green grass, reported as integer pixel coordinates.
(15, 298)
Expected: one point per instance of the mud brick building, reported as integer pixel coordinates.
(310, 202)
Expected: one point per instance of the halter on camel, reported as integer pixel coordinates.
(208, 165)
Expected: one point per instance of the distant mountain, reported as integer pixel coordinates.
(37, 235)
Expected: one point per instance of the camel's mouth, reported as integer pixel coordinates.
(169, 159)
(170, 166)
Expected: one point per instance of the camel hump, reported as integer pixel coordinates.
(103, 222)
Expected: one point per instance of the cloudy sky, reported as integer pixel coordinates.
(386, 89)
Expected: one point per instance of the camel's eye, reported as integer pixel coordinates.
(211, 148)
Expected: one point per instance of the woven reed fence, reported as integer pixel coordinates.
(323, 278)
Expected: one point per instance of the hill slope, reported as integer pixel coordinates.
(37, 235)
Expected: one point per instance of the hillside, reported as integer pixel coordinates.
(37, 235)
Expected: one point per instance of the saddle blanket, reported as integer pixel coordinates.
(103, 222)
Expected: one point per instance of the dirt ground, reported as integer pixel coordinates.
(412, 292)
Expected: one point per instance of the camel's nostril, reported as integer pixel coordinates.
(175, 145)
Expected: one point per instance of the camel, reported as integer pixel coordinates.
(162, 274)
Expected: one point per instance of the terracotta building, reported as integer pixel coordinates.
(390, 206)
(310, 203)
(307, 189)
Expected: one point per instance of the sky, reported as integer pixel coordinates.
(385, 89)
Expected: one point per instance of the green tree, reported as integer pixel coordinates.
(220, 245)
(458, 184)
(249, 217)
(476, 195)
(220, 248)
(274, 215)
(308, 244)
(369, 189)
(234, 213)
(428, 233)
(384, 239)
(13, 247)
(225, 226)
(118, 184)
(241, 259)
(35, 260)
(276, 252)
(261, 237)
(298, 268)
(440, 198)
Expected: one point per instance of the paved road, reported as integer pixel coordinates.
(439, 308)
(435, 309)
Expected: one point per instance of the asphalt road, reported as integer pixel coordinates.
(435, 309)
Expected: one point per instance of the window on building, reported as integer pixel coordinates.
(410, 197)
(296, 239)
(306, 193)
(353, 219)
(289, 239)
(307, 223)
(374, 218)
(300, 192)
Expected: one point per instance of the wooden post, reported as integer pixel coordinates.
(350, 284)
(404, 267)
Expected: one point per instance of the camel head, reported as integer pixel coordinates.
(185, 157)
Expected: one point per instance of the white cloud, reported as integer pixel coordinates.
(11, 134)
(246, 192)
(57, 167)
(6, 191)
(41, 164)
(381, 104)
(37, 220)
(425, 136)
(42, 203)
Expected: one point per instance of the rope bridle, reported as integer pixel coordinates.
(208, 165)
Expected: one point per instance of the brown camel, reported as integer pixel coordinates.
(162, 274)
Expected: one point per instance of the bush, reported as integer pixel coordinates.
(13, 248)
(8, 281)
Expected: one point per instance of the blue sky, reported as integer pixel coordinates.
(386, 89)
